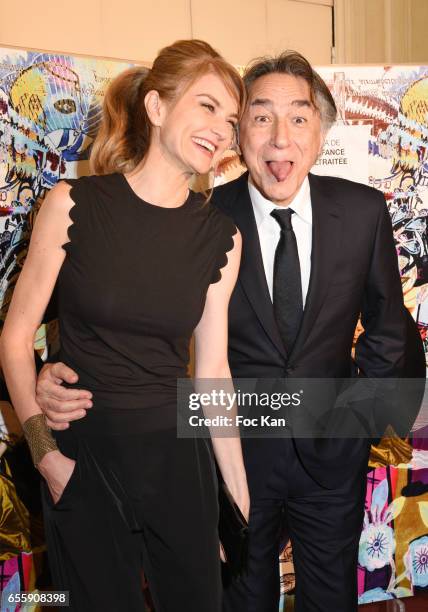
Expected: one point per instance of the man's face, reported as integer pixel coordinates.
(280, 135)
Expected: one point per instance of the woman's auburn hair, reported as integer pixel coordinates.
(124, 136)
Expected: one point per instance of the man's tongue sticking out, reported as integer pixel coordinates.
(280, 169)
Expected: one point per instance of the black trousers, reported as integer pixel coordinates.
(324, 527)
(135, 501)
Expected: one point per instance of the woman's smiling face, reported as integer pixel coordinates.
(198, 127)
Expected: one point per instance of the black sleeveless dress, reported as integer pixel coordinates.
(132, 289)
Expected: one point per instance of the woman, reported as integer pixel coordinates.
(141, 263)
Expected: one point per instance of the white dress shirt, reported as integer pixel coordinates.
(269, 231)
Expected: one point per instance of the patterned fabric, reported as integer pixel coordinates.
(14, 518)
(17, 574)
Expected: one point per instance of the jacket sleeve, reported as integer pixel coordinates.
(390, 346)
(380, 349)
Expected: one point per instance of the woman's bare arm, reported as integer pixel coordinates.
(29, 301)
(211, 362)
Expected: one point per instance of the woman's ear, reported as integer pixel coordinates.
(154, 107)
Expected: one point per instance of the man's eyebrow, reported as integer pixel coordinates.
(301, 103)
(261, 102)
(268, 103)
(216, 102)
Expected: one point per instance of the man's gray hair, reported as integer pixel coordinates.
(294, 64)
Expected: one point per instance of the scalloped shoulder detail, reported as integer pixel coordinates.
(225, 243)
(77, 194)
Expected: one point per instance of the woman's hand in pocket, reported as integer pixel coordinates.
(57, 470)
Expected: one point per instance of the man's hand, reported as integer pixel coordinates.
(61, 405)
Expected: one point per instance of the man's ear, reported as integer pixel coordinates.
(154, 107)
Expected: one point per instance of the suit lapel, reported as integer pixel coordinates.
(326, 239)
(252, 275)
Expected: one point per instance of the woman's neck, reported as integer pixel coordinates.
(158, 181)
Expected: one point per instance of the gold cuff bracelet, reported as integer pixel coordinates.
(39, 437)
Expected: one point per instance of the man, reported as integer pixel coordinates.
(317, 252)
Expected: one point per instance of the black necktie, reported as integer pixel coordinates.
(287, 284)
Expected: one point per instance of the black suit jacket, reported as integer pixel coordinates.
(353, 270)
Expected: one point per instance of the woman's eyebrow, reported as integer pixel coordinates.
(216, 102)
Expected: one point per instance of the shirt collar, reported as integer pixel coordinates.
(263, 207)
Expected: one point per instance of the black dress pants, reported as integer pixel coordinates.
(324, 526)
(135, 501)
